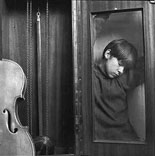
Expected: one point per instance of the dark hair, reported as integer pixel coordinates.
(124, 51)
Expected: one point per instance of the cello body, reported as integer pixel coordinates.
(15, 139)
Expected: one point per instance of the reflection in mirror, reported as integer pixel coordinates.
(118, 92)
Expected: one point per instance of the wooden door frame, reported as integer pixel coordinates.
(76, 13)
(82, 47)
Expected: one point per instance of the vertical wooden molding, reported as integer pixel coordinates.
(76, 14)
(1, 8)
(75, 63)
(151, 65)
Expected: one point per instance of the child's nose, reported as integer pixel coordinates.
(120, 69)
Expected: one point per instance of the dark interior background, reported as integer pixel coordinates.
(19, 44)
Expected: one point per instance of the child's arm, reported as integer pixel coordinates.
(136, 75)
(133, 77)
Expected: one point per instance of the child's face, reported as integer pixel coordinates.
(114, 67)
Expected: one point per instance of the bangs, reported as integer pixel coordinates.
(124, 51)
(127, 55)
(128, 63)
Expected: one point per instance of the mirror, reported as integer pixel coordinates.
(118, 88)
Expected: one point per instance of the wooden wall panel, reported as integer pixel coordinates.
(115, 149)
(14, 39)
(17, 40)
(1, 2)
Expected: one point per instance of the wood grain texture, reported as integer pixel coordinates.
(1, 29)
(60, 85)
(116, 149)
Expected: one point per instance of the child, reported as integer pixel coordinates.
(113, 77)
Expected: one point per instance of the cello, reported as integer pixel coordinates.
(14, 138)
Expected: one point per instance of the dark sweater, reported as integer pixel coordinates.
(110, 107)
